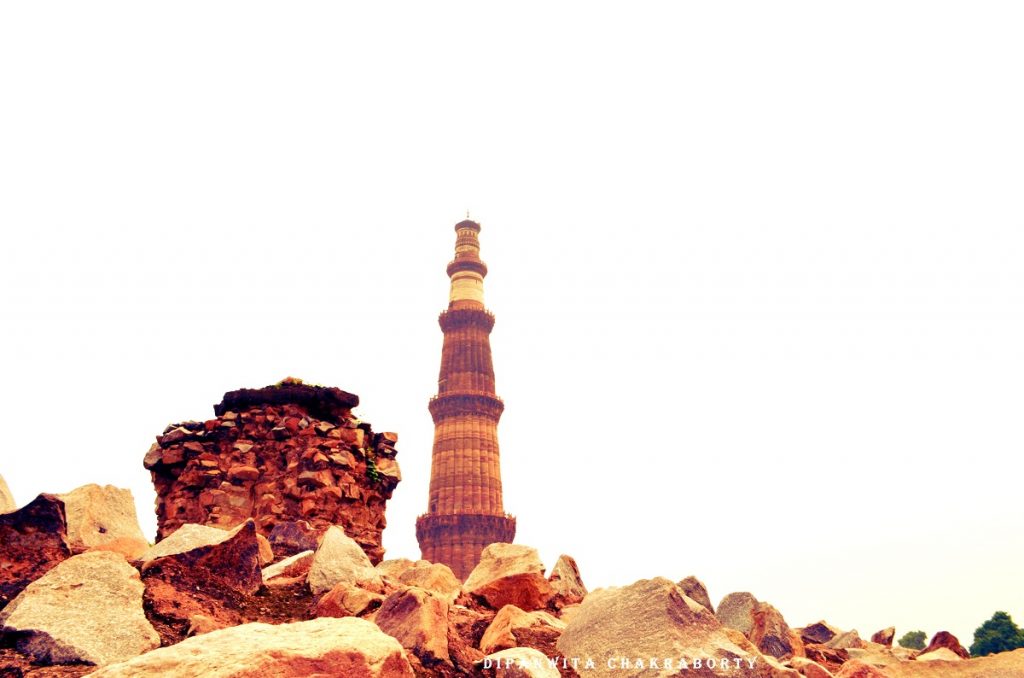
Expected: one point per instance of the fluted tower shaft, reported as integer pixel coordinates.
(464, 508)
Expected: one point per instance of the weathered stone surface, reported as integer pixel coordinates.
(694, 588)
(809, 669)
(294, 536)
(943, 654)
(653, 618)
(347, 600)
(947, 640)
(102, 518)
(510, 574)
(1002, 665)
(339, 560)
(846, 640)
(201, 570)
(229, 557)
(513, 627)
(874, 654)
(566, 582)
(418, 619)
(292, 566)
(277, 460)
(737, 612)
(86, 609)
(185, 539)
(826, 656)
(761, 623)
(266, 552)
(7, 503)
(394, 568)
(858, 669)
(466, 627)
(818, 633)
(434, 577)
(884, 637)
(34, 540)
(349, 647)
(517, 662)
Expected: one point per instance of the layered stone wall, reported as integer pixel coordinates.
(292, 457)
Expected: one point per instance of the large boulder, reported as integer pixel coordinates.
(622, 629)
(103, 519)
(694, 588)
(7, 503)
(466, 628)
(513, 627)
(418, 619)
(34, 540)
(517, 662)
(87, 609)
(509, 574)
(435, 577)
(348, 600)
(228, 557)
(349, 647)
(566, 581)
(200, 570)
(947, 640)
(340, 560)
(761, 623)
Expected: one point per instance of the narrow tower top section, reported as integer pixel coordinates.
(466, 270)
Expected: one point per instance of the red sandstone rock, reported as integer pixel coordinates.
(826, 656)
(513, 627)
(213, 579)
(34, 540)
(466, 628)
(858, 669)
(947, 640)
(418, 619)
(292, 457)
(434, 577)
(652, 618)
(810, 669)
(348, 600)
(509, 574)
(884, 637)
(566, 581)
(761, 623)
(353, 648)
(818, 633)
(694, 589)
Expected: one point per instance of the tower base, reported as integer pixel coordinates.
(458, 539)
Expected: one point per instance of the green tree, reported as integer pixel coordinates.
(998, 634)
(913, 640)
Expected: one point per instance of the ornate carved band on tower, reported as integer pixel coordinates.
(465, 512)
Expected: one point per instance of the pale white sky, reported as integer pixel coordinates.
(756, 267)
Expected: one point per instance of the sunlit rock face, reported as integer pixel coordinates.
(292, 457)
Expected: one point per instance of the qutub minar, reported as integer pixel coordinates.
(464, 511)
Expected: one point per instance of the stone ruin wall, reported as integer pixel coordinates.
(292, 457)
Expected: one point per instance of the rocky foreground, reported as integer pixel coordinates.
(213, 602)
(270, 564)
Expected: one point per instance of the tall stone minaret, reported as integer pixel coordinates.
(464, 510)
